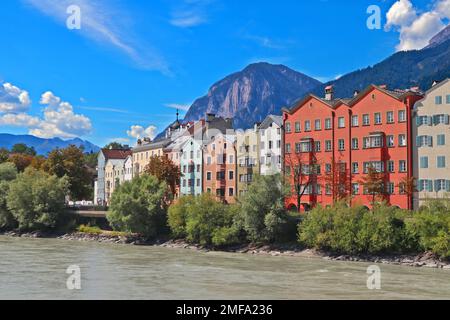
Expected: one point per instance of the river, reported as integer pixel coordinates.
(36, 269)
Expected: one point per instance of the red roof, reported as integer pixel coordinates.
(116, 154)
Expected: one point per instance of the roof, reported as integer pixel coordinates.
(271, 119)
(335, 103)
(436, 86)
(116, 153)
(157, 144)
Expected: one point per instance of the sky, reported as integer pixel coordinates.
(132, 63)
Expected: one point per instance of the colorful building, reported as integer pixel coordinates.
(271, 141)
(330, 144)
(247, 147)
(219, 168)
(431, 153)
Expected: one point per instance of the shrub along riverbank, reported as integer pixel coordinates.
(33, 201)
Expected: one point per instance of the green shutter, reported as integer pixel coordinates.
(420, 182)
(430, 186)
(447, 185)
(437, 185)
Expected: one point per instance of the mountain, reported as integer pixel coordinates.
(44, 146)
(440, 38)
(250, 95)
(402, 70)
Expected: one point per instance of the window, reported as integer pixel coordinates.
(390, 141)
(423, 162)
(341, 122)
(288, 127)
(373, 142)
(424, 141)
(355, 167)
(198, 182)
(263, 160)
(355, 121)
(328, 168)
(198, 168)
(231, 192)
(355, 189)
(438, 100)
(263, 145)
(328, 146)
(306, 146)
(440, 185)
(298, 147)
(402, 166)
(366, 120)
(402, 116)
(288, 148)
(341, 144)
(425, 185)
(231, 159)
(441, 162)
(377, 118)
(424, 120)
(297, 127)
(328, 124)
(377, 165)
(441, 140)
(402, 140)
(390, 117)
(318, 125)
(355, 144)
(192, 155)
(318, 146)
(263, 132)
(231, 175)
(441, 119)
(208, 160)
(307, 125)
(448, 99)
(278, 144)
(391, 166)
(390, 188)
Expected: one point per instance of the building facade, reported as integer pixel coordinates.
(247, 147)
(271, 139)
(431, 153)
(191, 164)
(219, 168)
(330, 144)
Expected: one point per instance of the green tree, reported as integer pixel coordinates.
(138, 206)
(178, 216)
(37, 200)
(70, 162)
(22, 148)
(115, 146)
(4, 155)
(262, 212)
(8, 172)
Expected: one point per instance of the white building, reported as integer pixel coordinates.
(271, 142)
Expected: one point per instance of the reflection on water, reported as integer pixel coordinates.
(36, 269)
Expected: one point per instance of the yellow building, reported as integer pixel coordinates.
(144, 151)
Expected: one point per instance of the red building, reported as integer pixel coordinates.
(330, 144)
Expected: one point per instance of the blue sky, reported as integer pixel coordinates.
(133, 61)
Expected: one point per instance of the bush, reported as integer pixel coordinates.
(90, 230)
(8, 172)
(36, 200)
(210, 222)
(138, 206)
(355, 230)
(262, 213)
(177, 216)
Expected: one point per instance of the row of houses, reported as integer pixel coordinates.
(323, 145)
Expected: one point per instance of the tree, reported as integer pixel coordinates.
(115, 146)
(374, 184)
(408, 186)
(37, 199)
(337, 180)
(22, 148)
(21, 161)
(262, 213)
(70, 162)
(8, 172)
(177, 216)
(164, 170)
(138, 206)
(301, 169)
(4, 155)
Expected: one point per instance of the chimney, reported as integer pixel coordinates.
(329, 93)
(355, 93)
(139, 142)
(415, 89)
(383, 86)
(435, 82)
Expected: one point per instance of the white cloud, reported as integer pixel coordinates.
(105, 24)
(59, 120)
(190, 14)
(416, 29)
(139, 132)
(182, 107)
(13, 99)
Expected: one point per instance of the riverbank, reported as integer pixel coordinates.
(425, 260)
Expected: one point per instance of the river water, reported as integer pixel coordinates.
(36, 269)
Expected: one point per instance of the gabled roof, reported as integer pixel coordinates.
(271, 119)
(436, 86)
(116, 154)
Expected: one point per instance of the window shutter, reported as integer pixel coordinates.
(420, 182)
(430, 121)
(437, 185)
(418, 121)
(447, 185)
(430, 141)
(430, 185)
(447, 119)
(418, 142)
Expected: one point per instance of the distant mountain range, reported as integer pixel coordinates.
(262, 89)
(44, 146)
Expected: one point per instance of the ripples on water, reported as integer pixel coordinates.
(36, 269)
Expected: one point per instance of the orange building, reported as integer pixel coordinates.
(330, 144)
(219, 168)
